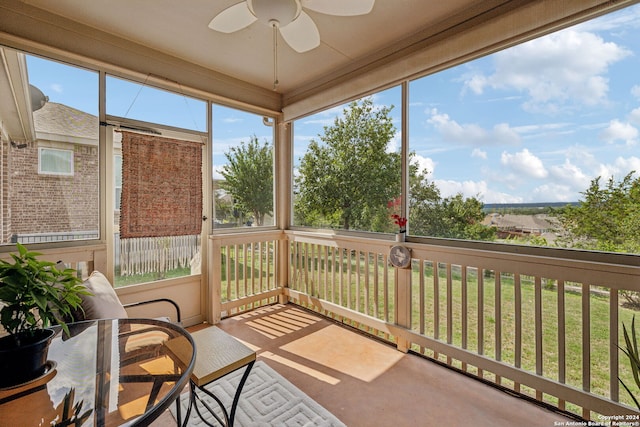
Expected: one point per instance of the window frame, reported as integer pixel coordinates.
(41, 171)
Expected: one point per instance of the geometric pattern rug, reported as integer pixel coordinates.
(267, 399)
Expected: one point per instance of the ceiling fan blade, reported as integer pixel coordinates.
(340, 7)
(233, 18)
(301, 34)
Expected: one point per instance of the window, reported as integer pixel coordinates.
(157, 181)
(242, 169)
(51, 151)
(515, 142)
(55, 162)
(139, 101)
(347, 171)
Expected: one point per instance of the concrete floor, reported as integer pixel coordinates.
(367, 383)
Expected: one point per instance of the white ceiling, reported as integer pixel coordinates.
(179, 28)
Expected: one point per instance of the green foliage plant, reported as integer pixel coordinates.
(608, 219)
(347, 175)
(633, 353)
(248, 177)
(34, 294)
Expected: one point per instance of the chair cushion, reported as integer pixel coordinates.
(103, 303)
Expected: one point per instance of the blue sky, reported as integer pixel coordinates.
(534, 123)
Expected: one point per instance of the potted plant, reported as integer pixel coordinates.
(34, 295)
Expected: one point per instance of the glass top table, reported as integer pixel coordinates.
(105, 373)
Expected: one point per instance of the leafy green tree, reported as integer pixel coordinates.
(608, 219)
(346, 179)
(248, 177)
(453, 217)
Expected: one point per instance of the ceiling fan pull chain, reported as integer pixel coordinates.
(274, 25)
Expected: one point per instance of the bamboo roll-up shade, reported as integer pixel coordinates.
(161, 186)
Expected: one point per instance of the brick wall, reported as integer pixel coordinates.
(50, 203)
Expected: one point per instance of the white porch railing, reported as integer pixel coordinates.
(244, 271)
(530, 320)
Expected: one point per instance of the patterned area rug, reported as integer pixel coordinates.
(267, 399)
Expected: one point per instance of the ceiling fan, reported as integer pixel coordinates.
(295, 25)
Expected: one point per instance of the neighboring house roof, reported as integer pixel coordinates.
(539, 223)
(59, 122)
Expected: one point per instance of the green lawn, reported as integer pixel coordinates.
(149, 277)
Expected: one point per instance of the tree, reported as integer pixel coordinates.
(249, 177)
(608, 219)
(346, 179)
(453, 217)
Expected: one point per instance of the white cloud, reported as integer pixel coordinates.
(635, 91)
(524, 163)
(634, 116)
(477, 189)
(216, 172)
(479, 153)
(619, 168)
(618, 130)
(395, 143)
(471, 133)
(424, 163)
(572, 177)
(56, 87)
(557, 70)
(553, 192)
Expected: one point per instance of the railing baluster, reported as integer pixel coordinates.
(385, 263)
(236, 270)
(421, 307)
(341, 260)
(228, 270)
(518, 325)
(367, 296)
(436, 304)
(562, 344)
(480, 316)
(376, 285)
(449, 308)
(498, 322)
(358, 284)
(614, 385)
(464, 308)
(325, 272)
(538, 330)
(349, 278)
(586, 341)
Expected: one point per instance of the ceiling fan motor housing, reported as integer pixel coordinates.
(283, 12)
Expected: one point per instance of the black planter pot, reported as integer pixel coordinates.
(20, 364)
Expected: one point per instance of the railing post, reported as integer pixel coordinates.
(284, 269)
(212, 294)
(403, 304)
